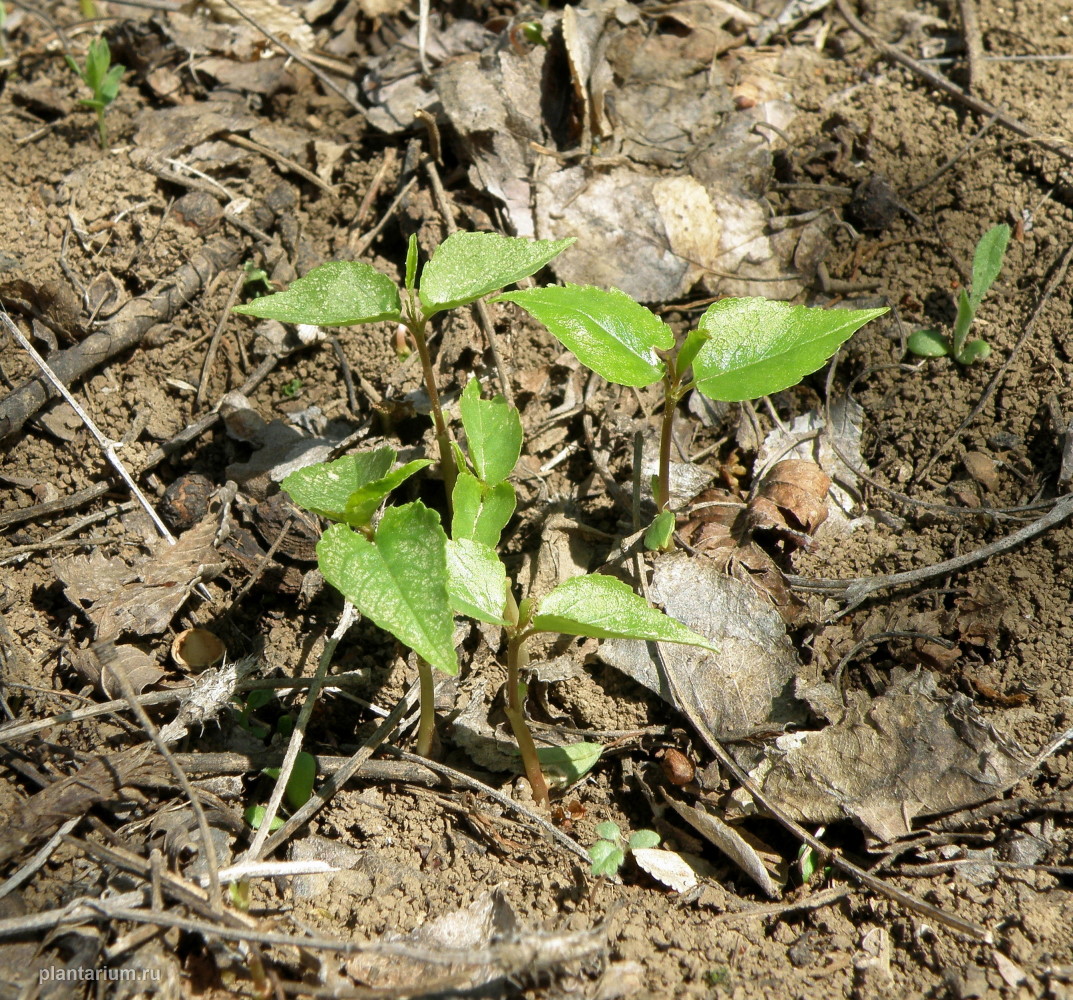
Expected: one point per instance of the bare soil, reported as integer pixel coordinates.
(953, 458)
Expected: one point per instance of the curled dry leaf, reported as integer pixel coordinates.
(674, 870)
(791, 500)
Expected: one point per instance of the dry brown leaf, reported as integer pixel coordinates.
(791, 500)
(142, 596)
(101, 662)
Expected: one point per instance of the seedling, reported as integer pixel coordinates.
(608, 854)
(102, 78)
(407, 577)
(463, 269)
(986, 265)
(741, 349)
(298, 792)
(292, 388)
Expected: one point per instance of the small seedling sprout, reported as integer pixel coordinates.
(608, 854)
(986, 265)
(102, 78)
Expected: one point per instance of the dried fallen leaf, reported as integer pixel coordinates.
(729, 841)
(791, 500)
(101, 662)
(913, 751)
(142, 596)
(747, 685)
(668, 867)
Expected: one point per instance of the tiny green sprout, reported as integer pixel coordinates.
(608, 854)
(102, 78)
(298, 792)
(256, 280)
(986, 265)
(741, 349)
(292, 388)
(88, 10)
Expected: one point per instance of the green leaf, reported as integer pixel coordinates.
(643, 839)
(493, 433)
(411, 262)
(974, 350)
(609, 332)
(606, 858)
(758, 346)
(987, 261)
(605, 608)
(481, 512)
(569, 763)
(326, 488)
(476, 581)
(658, 536)
(466, 266)
(300, 784)
(398, 580)
(928, 344)
(690, 348)
(609, 831)
(338, 293)
(364, 502)
(962, 324)
(255, 816)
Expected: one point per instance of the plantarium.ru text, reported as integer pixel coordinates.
(401, 569)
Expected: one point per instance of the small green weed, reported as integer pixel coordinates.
(986, 265)
(608, 853)
(102, 78)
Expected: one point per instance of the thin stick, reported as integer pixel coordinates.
(214, 342)
(974, 49)
(255, 852)
(107, 445)
(857, 590)
(337, 781)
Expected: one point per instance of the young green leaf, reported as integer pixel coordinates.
(255, 816)
(658, 535)
(411, 262)
(299, 788)
(569, 763)
(338, 293)
(466, 266)
(987, 261)
(606, 858)
(398, 580)
(476, 581)
(366, 499)
(493, 433)
(643, 840)
(326, 488)
(481, 512)
(602, 607)
(928, 343)
(758, 346)
(609, 830)
(609, 332)
(690, 348)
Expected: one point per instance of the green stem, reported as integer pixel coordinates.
(102, 129)
(516, 659)
(443, 439)
(426, 728)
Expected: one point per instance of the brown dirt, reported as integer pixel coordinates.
(425, 852)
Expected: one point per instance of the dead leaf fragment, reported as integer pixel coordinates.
(791, 500)
(729, 841)
(913, 751)
(746, 685)
(101, 662)
(141, 596)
